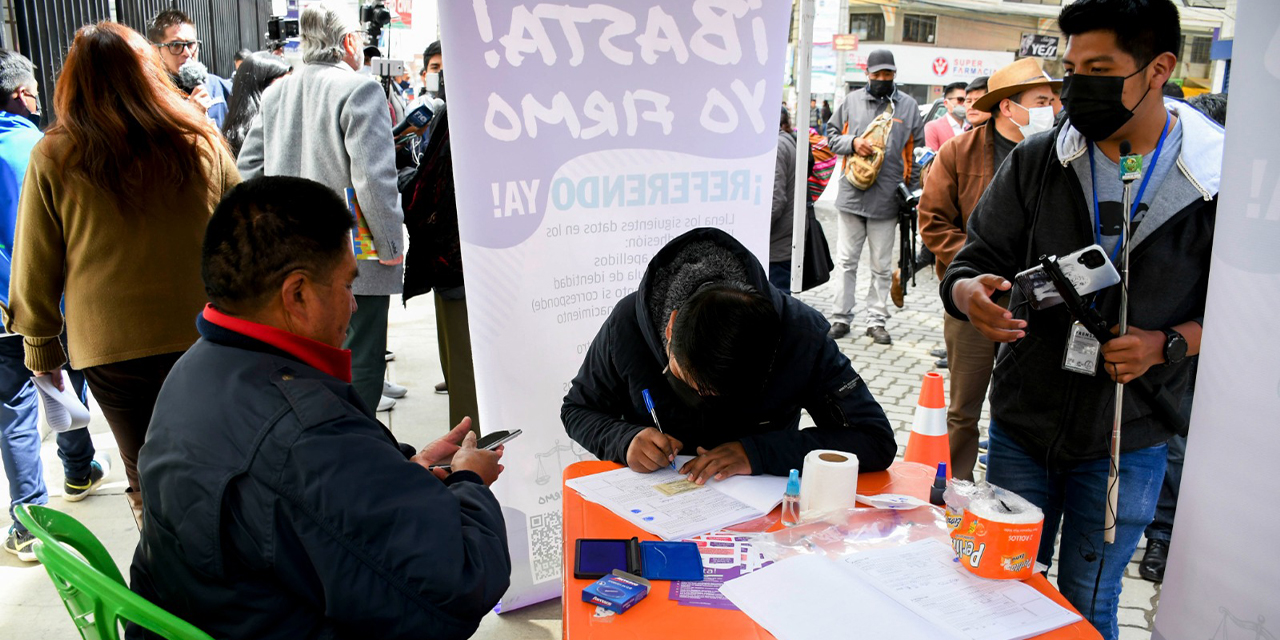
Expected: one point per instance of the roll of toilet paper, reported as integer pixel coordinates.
(829, 482)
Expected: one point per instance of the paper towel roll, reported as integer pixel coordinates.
(829, 482)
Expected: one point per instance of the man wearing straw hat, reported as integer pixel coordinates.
(1019, 99)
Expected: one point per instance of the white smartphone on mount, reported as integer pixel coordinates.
(1088, 269)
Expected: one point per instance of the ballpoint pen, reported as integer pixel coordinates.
(648, 402)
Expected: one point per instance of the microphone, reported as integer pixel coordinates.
(1130, 165)
(416, 119)
(191, 75)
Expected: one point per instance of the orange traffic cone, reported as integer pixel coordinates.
(929, 444)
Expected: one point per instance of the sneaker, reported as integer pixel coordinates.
(442, 388)
(879, 335)
(983, 445)
(938, 353)
(386, 404)
(838, 330)
(77, 489)
(940, 363)
(21, 544)
(982, 462)
(391, 355)
(393, 390)
(895, 289)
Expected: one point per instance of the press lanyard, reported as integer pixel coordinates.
(1142, 188)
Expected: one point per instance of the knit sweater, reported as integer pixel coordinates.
(131, 278)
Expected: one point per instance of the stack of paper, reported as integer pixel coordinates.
(667, 505)
(908, 592)
(63, 411)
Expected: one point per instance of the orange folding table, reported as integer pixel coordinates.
(659, 617)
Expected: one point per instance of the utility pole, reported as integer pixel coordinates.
(841, 56)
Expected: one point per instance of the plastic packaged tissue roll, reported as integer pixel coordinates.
(998, 533)
(829, 482)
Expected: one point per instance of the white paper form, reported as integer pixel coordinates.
(761, 493)
(810, 597)
(664, 502)
(925, 577)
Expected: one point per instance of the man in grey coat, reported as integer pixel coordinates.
(871, 216)
(328, 123)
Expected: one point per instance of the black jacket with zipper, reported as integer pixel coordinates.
(1036, 206)
(604, 408)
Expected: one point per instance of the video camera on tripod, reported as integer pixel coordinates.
(280, 28)
(375, 16)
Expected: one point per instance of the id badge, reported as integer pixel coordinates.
(1082, 351)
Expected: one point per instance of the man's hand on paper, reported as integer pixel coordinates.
(56, 377)
(651, 450)
(393, 262)
(726, 460)
(482, 462)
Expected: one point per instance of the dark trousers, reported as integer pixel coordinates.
(780, 276)
(20, 432)
(127, 392)
(455, 359)
(367, 340)
(1161, 529)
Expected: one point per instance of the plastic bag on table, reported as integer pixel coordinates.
(841, 533)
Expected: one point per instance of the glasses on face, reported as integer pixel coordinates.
(178, 46)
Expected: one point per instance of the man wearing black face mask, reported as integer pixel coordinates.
(729, 362)
(1058, 192)
(870, 216)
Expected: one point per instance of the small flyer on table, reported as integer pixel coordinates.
(725, 555)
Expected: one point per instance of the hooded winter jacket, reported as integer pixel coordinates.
(604, 408)
(1036, 206)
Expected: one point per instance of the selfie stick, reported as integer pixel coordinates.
(1127, 175)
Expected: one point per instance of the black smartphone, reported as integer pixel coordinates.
(497, 438)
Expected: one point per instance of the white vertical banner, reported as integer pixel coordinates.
(1223, 577)
(585, 135)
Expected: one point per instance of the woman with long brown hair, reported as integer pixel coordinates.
(112, 216)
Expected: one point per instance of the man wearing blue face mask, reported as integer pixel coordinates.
(1019, 101)
(1058, 192)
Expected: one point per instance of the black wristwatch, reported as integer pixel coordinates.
(1175, 346)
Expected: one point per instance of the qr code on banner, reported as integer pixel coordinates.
(545, 548)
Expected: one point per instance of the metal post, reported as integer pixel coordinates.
(1113, 471)
(804, 62)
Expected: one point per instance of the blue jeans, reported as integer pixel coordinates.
(20, 432)
(780, 276)
(1075, 501)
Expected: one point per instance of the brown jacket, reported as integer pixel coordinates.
(957, 178)
(131, 279)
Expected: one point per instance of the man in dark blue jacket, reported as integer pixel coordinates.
(729, 361)
(277, 507)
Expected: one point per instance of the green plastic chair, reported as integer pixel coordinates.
(92, 588)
